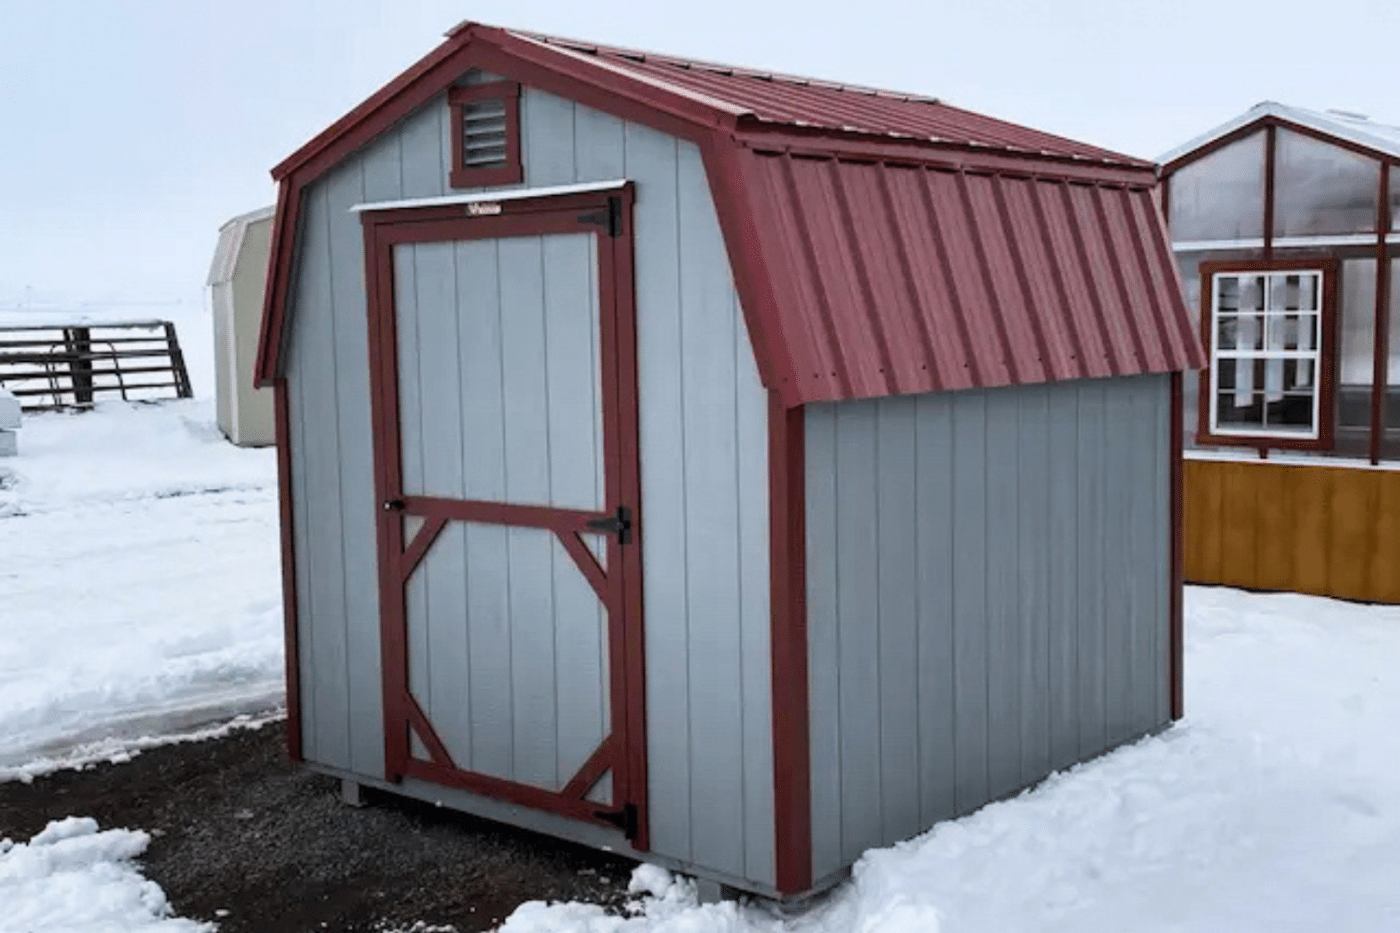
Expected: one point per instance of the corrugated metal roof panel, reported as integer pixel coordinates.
(789, 100)
(894, 279)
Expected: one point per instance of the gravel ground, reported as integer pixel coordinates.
(237, 828)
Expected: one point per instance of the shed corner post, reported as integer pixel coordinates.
(281, 414)
(792, 810)
(1176, 620)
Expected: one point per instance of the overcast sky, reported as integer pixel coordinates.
(134, 128)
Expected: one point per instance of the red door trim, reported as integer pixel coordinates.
(619, 588)
(418, 722)
(587, 563)
(628, 641)
(593, 770)
(501, 513)
(521, 794)
(415, 552)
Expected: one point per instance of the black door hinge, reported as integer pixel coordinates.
(610, 218)
(624, 819)
(619, 523)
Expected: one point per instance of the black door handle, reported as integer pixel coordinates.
(395, 505)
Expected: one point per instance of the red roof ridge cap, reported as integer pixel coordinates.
(598, 61)
(596, 51)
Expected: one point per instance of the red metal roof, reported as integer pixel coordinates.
(791, 101)
(881, 244)
(893, 278)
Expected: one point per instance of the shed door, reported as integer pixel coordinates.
(502, 339)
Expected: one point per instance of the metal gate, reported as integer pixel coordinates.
(503, 357)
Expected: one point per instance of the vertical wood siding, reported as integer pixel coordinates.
(988, 581)
(704, 479)
(507, 408)
(1326, 530)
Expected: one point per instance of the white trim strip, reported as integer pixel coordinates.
(1281, 242)
(1286, 458)
(509, 194)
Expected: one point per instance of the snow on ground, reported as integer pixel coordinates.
(139, 597)
(73, 878)
(1273, 807)
(139, 580)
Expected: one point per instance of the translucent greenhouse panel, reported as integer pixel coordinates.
(1395, 332)
(1321, 189)
(1189, 266)
(1356, 343)
(1356, 323)
(1391, 447)
(1221, 197)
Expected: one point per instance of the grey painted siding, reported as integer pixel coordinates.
(505, 408)
(704, 476)
(988, 596)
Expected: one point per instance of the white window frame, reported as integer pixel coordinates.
(1315, 355)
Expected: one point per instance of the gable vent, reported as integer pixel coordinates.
(485, 135)
(484, 138)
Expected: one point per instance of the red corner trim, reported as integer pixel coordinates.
(1178, 562)
(281, 419)
(792, 785)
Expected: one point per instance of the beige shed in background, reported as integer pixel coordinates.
(237, 278)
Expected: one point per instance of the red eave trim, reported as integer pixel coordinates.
(486, 47)
(752, 276)
(279, 267)
(476, 46)
(371, 111)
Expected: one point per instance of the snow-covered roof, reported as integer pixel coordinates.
(1382, 138)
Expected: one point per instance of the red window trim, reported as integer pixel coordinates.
(1327, 361)
(513, 172)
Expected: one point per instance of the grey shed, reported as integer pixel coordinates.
(732, 470)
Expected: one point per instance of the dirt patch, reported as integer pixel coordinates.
(237, 828)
